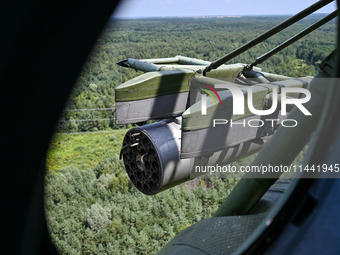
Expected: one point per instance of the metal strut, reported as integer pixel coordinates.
(306, 31)
(318, 5)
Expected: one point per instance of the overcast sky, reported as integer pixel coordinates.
(160, 8)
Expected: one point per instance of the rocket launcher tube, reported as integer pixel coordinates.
(139, 65)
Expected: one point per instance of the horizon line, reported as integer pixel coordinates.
(217, 15)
